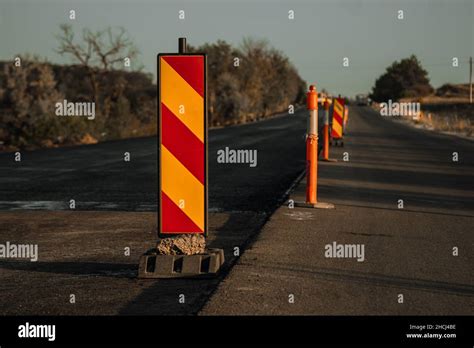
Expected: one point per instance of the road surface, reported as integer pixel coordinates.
(82, 251)
(408, 251)
(98, 178)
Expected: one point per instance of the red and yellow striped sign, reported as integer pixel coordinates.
(337, 118)
(182, 144)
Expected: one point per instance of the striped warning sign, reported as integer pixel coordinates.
(337, 118)
(182, 144)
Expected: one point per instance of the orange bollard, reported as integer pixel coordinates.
(326, 130)
(312, 154)
(312, 147)
(346, 117)
(326, 134)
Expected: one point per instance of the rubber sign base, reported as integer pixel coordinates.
(319, 205)
(153, 265)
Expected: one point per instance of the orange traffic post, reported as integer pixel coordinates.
(312, 153)
(326, 133)
(346, 119)
(312, 146)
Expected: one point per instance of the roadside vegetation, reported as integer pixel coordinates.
(402, 79)
(263, 83)
(445, 109)
(249, 82)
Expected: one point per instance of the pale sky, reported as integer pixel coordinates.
(368, 32)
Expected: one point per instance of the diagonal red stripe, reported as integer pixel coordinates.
(337, 117)
(173, 219)
(335, 134)
(191, 69)
(182, 143)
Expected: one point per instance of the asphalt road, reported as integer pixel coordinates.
(82, 251)
(407, 251)
(98, 178)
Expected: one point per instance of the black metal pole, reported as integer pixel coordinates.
(182, 45)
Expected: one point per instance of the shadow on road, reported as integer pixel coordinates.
(161, 296)
(79, 268)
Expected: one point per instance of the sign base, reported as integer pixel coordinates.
(153, 265)
(319, 205)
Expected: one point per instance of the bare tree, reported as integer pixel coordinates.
(98, 52)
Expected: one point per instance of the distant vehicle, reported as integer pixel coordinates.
(362, 99)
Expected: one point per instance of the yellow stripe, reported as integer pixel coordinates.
(338, 108)
(337, 127)
(176, 92)
(179, 184)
